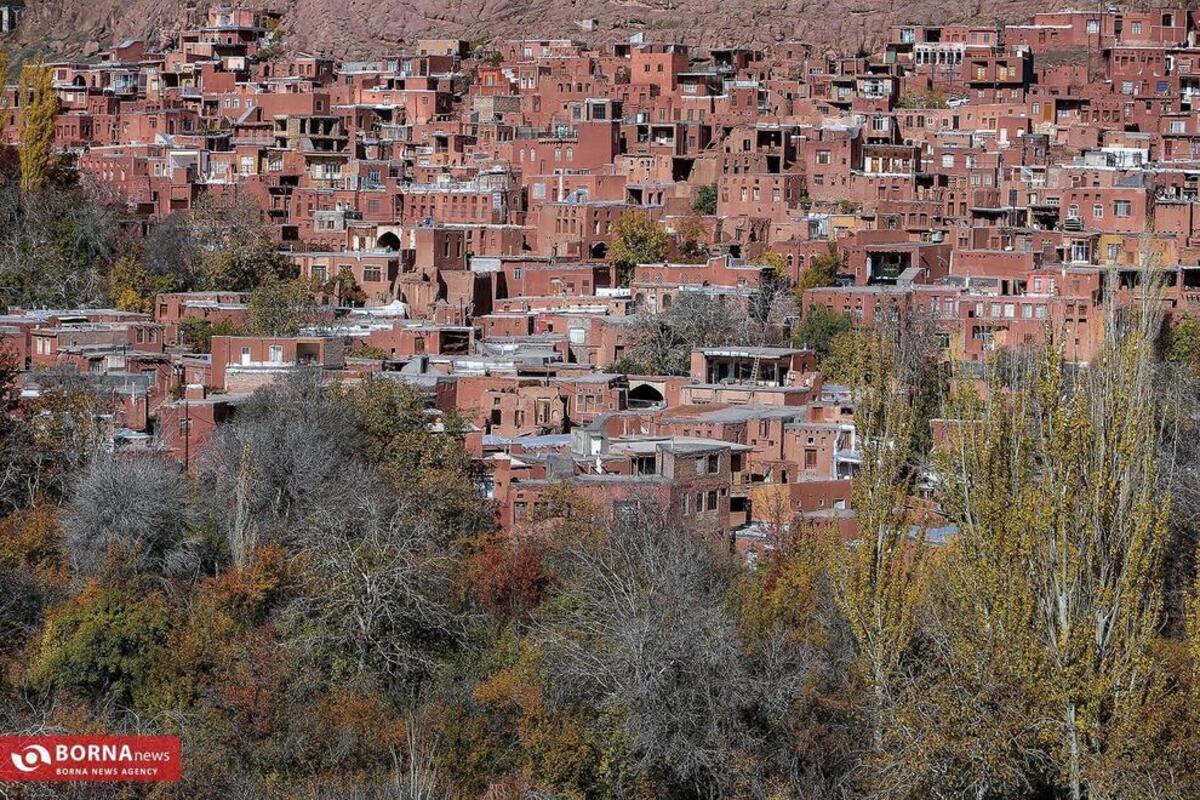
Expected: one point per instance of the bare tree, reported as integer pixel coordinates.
(662, 343)
(133, 514)
(54, 244)
(291, 451)
(172, 250)
(20, 606)
(377, 595)
(644, 632)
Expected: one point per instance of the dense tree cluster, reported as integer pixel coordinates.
(67, 245)
(323, 607)
(661, 343)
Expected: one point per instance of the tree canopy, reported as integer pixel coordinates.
(636, 239)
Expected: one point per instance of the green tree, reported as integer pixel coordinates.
(197, 333)
(823, 269)
(101, 644)
(818, 329)
(39, 108)
(626, 365)
(281, 308)
(637, 239)
(706, 200)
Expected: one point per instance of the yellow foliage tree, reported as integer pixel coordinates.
(880, 579)
(822, 270)
(1055, 488)
(777, 262)
(5, 111)
(133, 288)
(39, 108)
(636, 239)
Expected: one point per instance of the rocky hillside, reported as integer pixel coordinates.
(365, 27)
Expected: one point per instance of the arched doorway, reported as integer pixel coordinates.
(599, 250)
(646, 396)
(388, 241)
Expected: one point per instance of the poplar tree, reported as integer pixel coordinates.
(879, 579)
(36, 148)
(5, 111)
(989, 692)
(1055, 488)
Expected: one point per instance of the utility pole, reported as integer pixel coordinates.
(187, 435)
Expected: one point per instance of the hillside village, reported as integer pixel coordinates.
(455, 210)
(530, 419)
